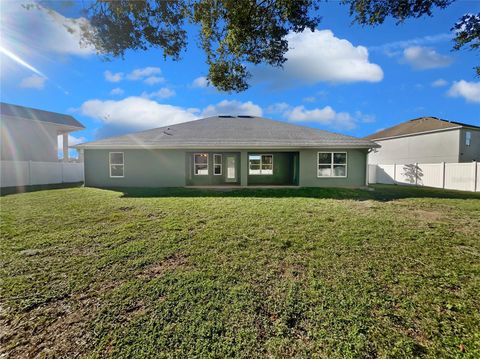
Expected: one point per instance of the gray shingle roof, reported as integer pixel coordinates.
(28, 113)
(232, 132)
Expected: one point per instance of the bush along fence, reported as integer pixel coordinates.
(30, 173)
(458, 176)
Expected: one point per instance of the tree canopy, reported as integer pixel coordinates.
(237, 33)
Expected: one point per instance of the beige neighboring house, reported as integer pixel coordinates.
(29, 134)
(426, 140)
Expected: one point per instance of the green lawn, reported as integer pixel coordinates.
(393, 272)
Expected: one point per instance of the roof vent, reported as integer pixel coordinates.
(225, 116)
(245, 116)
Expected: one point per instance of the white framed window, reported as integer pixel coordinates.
(116, 164)
(200, 164)
(260, 164)
(332, 164)
(217, 164)
(468, 138)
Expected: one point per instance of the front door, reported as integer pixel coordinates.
(231, 172)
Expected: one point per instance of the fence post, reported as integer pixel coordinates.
(443, 175)
(475, 174)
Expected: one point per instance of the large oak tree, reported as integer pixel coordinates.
(235, 33)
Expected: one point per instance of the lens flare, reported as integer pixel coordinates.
(20, 61)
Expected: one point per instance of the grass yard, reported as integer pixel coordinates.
(182, 273)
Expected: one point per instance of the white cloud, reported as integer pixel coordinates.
(153, 80)
(234, 108)
(164, 92)
(325, 116)
(142, 73)
(278, 107)
(470, 91)
(117, 91)
(146, 74)
(424, 58)
(136, 113)
(40, 30)
(140, 113)
(309, 99)
(200, 82)
(320, 56)
(394, 48)
(113, 77)
(33, 82)
(439, 83)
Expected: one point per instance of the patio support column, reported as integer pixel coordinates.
(244, 168)
(65, 147)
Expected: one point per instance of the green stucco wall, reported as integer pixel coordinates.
(143, 168)
(169, 168)
(356, 170)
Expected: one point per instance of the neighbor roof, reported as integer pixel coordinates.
(231, 132)
(418, 125)
(28, 113)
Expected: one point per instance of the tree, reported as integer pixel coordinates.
(468, 32)
(233, 33)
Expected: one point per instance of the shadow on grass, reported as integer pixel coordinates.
(12, 190)
(376, 192)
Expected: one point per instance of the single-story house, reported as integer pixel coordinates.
(426, 140)
(29, 134)
(227, 150)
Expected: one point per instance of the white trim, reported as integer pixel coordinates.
(194, 164)
(332, 163)
(261, 164)
(218, 164)
(116, 164)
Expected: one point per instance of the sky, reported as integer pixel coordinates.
(342, 77)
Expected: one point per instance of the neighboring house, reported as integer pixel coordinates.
(426, 140)
(29, 134)
(227, 150)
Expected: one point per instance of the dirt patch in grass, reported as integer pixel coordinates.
(427, 216)
(292, 271)
(171, 263)
(60, 329)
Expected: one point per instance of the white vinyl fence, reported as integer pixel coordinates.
(27, 173)
(459, 176)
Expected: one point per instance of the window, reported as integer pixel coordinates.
(260, 164)
(200, 164)
(217, 164)
(116, 164)
(468, 138)
(332, 164)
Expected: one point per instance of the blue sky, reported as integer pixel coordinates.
(343, 78)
